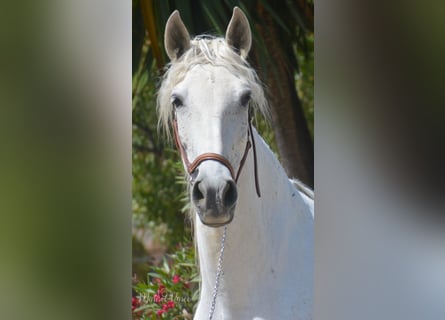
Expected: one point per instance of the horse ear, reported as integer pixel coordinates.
(238, 34)
(176, 37)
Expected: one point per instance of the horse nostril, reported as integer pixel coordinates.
(229, 194)
(218, 196)
(196, 192)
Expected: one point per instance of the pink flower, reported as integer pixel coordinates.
(176, 278)
(160, 312)
(161, 290)
(135, 302)
(171, 304)
(165, 307)
(157, 298)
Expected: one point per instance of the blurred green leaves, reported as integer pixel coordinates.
(295, 20)
(305, 82)
(156, 166)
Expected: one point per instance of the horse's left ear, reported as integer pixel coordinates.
(238, 34)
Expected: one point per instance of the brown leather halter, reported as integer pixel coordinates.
(191, 167)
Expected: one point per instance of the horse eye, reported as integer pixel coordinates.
(245, 98)
(176, 101)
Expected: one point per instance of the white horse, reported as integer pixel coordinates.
(266, 271)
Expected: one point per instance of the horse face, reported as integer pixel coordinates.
(211, 107)
(211, 110)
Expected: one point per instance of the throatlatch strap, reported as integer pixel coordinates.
(255, 164)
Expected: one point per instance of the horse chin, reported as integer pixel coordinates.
(216, 220)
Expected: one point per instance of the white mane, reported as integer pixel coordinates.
(214, 51)
(303, 188)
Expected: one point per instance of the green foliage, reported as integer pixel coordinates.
(265, 130)
(160, 196)
(294, 18)
(171, 290)
(157, 196)
(305, 81)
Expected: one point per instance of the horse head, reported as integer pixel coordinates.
(209, 87)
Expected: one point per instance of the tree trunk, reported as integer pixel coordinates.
(291, 132)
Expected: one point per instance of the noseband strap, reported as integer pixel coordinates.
(210, 156)
(191, 167)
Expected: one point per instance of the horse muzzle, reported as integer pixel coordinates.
(215, 200)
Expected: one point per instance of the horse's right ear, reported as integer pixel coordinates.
(176, 37)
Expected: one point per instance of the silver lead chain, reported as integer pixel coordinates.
(218, 274)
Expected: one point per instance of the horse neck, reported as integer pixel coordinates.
(258, 234)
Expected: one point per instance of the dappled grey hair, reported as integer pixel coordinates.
(213, 51)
